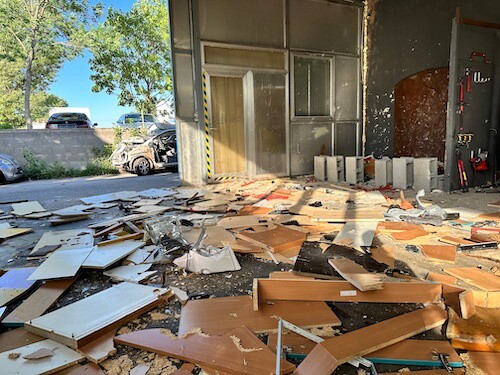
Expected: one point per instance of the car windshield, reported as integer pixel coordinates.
(136, 117)
(68, 117)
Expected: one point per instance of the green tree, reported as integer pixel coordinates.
(40, 35)
(131, 55)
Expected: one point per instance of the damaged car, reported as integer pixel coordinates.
(142, 155)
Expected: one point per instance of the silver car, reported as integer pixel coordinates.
(10, 169)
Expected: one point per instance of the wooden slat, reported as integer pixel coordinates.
(37, 303)
(217, 352)
(441, 253)
(487, 362)
(486, 299)
(474, 276)
(220, 315)
(326, 356)
(277, 239)
(342, 291)
(356, 274)
(440, 278)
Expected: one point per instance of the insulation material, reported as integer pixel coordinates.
(209, 260)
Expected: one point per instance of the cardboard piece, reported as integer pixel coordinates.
(328, 355)
(83, 321)
(220, 315)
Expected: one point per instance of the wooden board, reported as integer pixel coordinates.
(478, 333)
(104, 256)
(66, 239)
(342, 291)
(61, 264)
(338, 216)
(83, 321)
(408, 235)
(356, 234)
(442, 253)
(383, 254)
(455, 240)
(63, 357)
(242, 354)
(220, 315)
(440, 278)
(87, 369)
(14, 283)
(275, 240)
(16, 338)
(38, 302)
(215, 236)
(487, 362)
(26, 208)
(13, 232)
(467, 306)
(356, 275)
(486, 299)
(328, 355)
(474, 276)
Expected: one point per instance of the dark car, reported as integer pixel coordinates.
(141, 155)
(68, 120)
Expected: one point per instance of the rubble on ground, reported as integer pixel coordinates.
(324, 277)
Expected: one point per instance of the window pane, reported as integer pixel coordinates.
(241, 57)
(346, 88)
(312, 86)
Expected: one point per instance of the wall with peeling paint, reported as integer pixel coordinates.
(404, 38)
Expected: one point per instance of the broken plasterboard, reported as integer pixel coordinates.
(357, 234)
(61, 264)
(78, 323)
(209, 260)
(66, 239)
(134, 274)
(26, 208)
(104, 256)
(63, 357)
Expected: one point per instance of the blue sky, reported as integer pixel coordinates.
(74, 85)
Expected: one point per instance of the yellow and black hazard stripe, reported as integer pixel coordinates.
(207, 127)
(226, 178)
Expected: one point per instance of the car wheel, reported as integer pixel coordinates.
(142, 166)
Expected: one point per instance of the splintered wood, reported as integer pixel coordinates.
(278, 239)
(356, 275)
(476, 277)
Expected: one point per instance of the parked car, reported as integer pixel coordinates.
(69, 120)
(149, 121)
(142, 155)
(10, 169)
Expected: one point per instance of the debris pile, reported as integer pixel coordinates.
(359, 281)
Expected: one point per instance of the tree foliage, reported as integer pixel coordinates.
(36, 38)
(131, 55)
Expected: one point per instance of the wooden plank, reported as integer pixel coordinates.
(467, 306)
(356, 235)
(101, 348)
(486, 299)
(63, 357)
(83, 321)
(476, 277)
(220, 315)
(384, 254)
(356, 274)
(72, 219)
(38, 302)
(119, 239)
(455, 240)
(66, 239)
(342, 291)
(104, 256)
(441, 253)
(277, 239)
(61, 264)
(408, 235)
(133, 273)
(338, 216)
(16, 338)
(328, 355)
(6, 233)
(238, 352)
(478, 333)
(215, 235)
(487, 362)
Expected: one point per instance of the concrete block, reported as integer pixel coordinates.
(402, 173)
(383, 172)
(425, 174)
(320, 168)
(335, 168)
(354, 170)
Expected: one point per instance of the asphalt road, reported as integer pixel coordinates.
(56, 194)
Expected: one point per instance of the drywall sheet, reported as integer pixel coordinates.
(63, 357)
(61, 264)
(75, 322)
(104, 256)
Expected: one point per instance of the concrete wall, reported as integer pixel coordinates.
(406, 37)
(71, 147)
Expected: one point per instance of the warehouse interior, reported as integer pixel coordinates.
(263, 87)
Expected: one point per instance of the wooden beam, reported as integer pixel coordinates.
(342, 291)
(328, 355)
